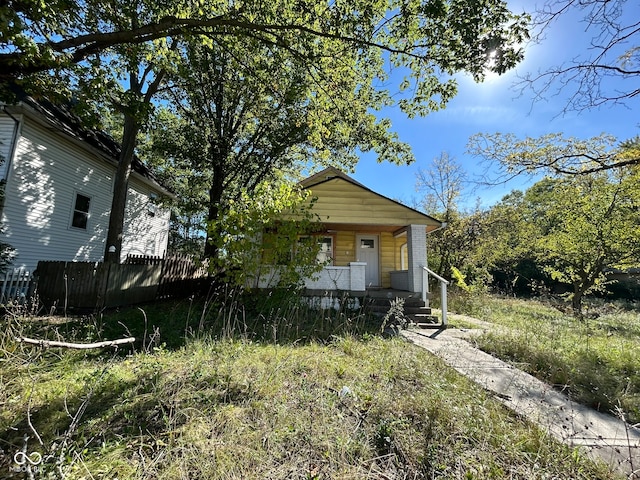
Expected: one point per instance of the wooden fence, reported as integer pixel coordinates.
(15, 286)
(96, 285)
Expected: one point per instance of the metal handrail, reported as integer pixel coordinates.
(443, 291)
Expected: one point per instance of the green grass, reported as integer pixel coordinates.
(193, 400)
(595, 361)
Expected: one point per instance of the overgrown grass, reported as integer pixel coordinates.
(596, 361)
(216, 396)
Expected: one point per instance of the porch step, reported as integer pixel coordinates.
(414, 311)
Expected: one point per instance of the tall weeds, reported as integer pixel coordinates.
(259, 387)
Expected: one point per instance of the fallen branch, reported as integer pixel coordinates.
(78, 346)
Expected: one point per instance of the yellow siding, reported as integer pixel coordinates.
(389, 252)
(387, 258)
(344, 250)
(339, 201)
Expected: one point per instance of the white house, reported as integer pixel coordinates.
(58, 188)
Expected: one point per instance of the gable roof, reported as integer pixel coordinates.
(343, 200)
(327, 174)
(72, 126)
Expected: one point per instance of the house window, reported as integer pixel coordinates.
(325, 255)
(324, 245)
(81, 211)
(152, 204)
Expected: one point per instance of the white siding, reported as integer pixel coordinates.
(46, 174)
(7, 129)
(145, 233)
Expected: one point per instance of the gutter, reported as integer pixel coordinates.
(442, 226)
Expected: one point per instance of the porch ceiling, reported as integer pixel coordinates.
(360, 227)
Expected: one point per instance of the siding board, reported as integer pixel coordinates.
(387, 258)
(345, 248)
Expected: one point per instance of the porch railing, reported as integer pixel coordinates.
(443, 291)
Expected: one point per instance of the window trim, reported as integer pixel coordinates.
(332, 256)
(77, 194)
(152, 205)
(319, 236)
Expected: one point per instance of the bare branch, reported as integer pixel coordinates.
(77, 346)
(592, 79)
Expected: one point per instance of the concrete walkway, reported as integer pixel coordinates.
(604, 437)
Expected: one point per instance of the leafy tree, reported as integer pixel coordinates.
(449, 35)
(240, 114)
(593, 224)
(575, 228)
(104, 44)
(257, 215)
(505, 248)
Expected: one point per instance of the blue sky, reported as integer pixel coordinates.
(495, 106)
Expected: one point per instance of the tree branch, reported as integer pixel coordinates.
(76, 346)
(86, 45)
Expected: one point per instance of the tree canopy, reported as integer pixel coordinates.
(553, 153)
(426, 36)
(563, 231)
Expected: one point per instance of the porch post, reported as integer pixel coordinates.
(417, 253)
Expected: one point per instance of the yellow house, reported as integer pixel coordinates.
(367, 239)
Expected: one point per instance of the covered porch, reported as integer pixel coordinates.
(374, 256)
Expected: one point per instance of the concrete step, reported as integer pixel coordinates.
(414, 302)
(414, 311)
(421, 320)
(417, 310)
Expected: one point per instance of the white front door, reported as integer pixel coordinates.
(368, 251)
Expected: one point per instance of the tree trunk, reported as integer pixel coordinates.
(576, 301)
(215, 198)
(113, 247)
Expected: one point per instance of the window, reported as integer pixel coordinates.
(367, 243)
(81, 211)
(325, 255)
(322, 245)
(152, 204)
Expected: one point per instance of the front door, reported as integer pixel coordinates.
(368, 251)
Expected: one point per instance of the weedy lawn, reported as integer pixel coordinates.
(595, 360)
(208, 393)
